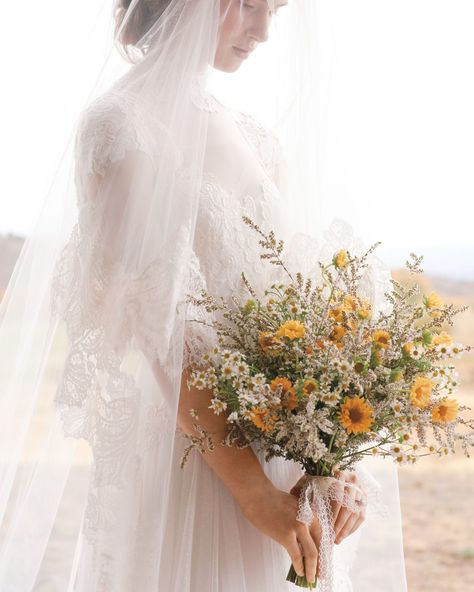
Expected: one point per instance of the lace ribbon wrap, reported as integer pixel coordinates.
(315, 497)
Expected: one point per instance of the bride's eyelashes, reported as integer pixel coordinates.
(252, 6)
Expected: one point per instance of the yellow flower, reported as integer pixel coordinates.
(341, 258)
(441, 338)
(445, 411)
(432, 300)
(407, 348)
(289, 396)
(356, 415)
(280, 381)
(263, 419)
(350, 303)
(337, 333)
(381, 338)
(291, 329)
(363, 313)
(269, 343)
(310, 385)
(421, 391)
(336, 314)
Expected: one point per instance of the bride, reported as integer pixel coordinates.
(164, 170)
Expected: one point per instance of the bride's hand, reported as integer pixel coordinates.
(273, 512)
(345, 522)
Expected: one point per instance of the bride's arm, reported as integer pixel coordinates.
(238, 468)
(268, 508)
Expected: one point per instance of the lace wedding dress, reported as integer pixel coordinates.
(218, 549)
(206, 543)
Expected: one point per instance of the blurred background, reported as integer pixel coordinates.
(396, 161)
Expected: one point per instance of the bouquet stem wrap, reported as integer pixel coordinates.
(316, 494)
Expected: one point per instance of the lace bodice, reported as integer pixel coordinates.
(224, 245)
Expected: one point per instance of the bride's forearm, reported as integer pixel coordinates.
(239, 469)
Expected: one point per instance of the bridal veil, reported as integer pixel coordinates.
(92, 321)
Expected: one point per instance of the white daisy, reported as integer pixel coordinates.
(456, 350)
(259, 378)
(397, 408)
(218, 406)
(417, 352)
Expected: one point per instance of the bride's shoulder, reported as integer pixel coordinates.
(107, 129)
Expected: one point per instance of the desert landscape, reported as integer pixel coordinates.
(436, 493)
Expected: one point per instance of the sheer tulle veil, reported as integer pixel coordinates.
(92, 321)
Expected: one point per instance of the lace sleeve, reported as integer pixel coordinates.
(199, 337)
(101, 285)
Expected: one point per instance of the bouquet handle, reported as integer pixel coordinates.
(315, 495)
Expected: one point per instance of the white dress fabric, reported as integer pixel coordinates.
(204, 544)
(214, 547)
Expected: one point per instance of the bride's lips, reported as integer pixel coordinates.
(241, 52)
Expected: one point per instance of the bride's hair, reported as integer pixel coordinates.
(139, 21)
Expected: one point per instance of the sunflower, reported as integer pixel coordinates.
(291, 329)
(381, 338)
(356, 415)
(432, 300)
(445, 411)
(420, 391)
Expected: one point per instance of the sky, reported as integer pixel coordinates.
(398, 87)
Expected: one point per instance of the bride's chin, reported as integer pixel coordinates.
(227, 65)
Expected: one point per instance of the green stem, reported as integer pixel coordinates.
(300, 581)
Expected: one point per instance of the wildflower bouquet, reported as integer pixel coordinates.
(309, 373)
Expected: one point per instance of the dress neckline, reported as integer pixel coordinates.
(201, 97)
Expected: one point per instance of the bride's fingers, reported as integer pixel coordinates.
(344, 513)
(359, 517)
(294, 551)
(348, 527)
(356, 517)
(338, 489)
(359, 520)
(316, 532)
(310, 552)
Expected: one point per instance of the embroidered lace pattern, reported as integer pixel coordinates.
(97, 399)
